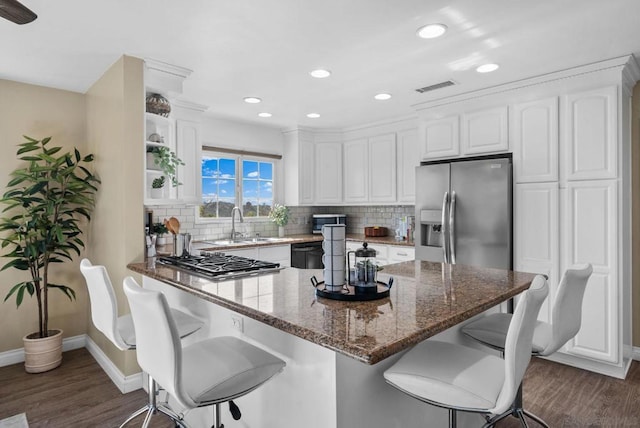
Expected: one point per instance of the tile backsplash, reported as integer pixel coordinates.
(299, 220)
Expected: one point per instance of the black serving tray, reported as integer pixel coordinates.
(353, 293)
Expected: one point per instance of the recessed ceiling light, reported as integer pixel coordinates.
(313, 115)
(487, 68)
(382, 97)
(252, 100)
(265, 114)
(320, 73)
(431, 31)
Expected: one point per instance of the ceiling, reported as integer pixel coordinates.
(266, 48)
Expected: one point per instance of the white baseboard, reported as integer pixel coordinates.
(16, 356)
(636, 353)
(124, 383)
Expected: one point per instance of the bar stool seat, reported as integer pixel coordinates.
(461, 378)
(492, 331)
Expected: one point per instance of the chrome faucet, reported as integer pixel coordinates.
(233, 221)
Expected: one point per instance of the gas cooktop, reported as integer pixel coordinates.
(220, 266)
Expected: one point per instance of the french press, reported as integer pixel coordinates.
(364, 265)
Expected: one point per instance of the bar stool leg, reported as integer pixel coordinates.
(453, 418)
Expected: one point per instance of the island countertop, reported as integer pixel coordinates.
(426, 298)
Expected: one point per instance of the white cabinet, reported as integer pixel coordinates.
(276, 253)
(485, 131)
(385, 253)
(535, 141)
(306, 172)
(356, 171)
(440, 138)
(188, 149)
(408, 158)
(537, 234)
(590, 236)
(298, 167)
(591, 134)
(382, 168)
(328, 172)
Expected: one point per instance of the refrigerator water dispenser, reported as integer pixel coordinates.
(431, 228)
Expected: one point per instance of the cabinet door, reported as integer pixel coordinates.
(535, 141)
(328, 163)
(356, 171)
(276, 254)
(485, 131)
(306, 170)
(590, 228)
(536, 234)
(401, 253)
(591, 133)
(188, 148)
(441, 138)
(382, 168)
(408, 160)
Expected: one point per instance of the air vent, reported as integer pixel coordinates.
(436, 86)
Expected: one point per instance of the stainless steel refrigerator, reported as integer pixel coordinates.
(464, 211)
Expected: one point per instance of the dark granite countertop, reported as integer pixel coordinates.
(426, 298)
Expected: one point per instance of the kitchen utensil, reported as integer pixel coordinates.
(175, 225)
(375, 231)
(168, 226)
(182, 244)
(334, 231)
(365, 266)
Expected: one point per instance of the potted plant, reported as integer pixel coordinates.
(160, 230)
(47, 201)
(166, 161)
(279, 214)
(157, 186)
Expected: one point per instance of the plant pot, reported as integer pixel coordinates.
(151, 162)
(42, 354)
(161, 240)
(157, 193)
(281, 231)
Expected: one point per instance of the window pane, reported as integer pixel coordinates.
(218, 186)
(266, 170)
(250, 169)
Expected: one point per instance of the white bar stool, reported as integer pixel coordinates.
(206, 373)
(457, 377)
(120, 330)
(566, 318)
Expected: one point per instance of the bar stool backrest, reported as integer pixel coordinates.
(104, 306)
(517, 351)
(567, 310)
(159, 351)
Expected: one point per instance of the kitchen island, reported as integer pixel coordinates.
(336, 351)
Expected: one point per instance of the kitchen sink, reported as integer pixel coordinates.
(240, 241)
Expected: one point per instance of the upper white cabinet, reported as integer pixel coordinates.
(408, 158)
(485, 131)
(188, 149)
(535, 140)
(306, 172)
(298, 167)
(356, 171)
(440, 138)
(328, 172)
(382, 168)
(591, 134)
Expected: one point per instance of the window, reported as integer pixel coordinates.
(236, 179)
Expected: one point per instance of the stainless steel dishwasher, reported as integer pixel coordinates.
(307, 255)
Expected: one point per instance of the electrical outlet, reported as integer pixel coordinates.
(237, 322)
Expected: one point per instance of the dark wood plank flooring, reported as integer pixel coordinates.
(79, 394)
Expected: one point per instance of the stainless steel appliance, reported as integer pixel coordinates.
(307, 255)
(464, 211)
(319, 220)
(219, 266)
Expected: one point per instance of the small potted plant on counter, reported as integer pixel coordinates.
(157, 187)
(48, 200)
(160, 230)
(279, 214)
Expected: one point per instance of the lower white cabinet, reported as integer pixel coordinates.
(398, 254)
(385, 254)
(589, 226)
(273, 253)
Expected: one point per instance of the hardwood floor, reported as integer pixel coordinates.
(79, 394)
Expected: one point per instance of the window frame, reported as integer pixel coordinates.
(239, 156)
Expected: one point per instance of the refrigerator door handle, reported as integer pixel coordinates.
(452, 228)
(443, 227)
